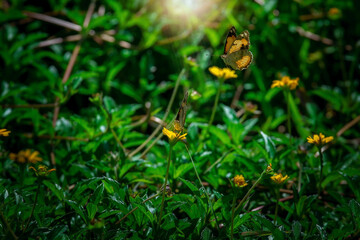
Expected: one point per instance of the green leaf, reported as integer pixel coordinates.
(91, 210)
(191, 186)
(229, 115)
(182, 169)
(78, 209)
(269, 145)
(221, 135)
(297, 119)
(98, 194)
(56, 189)
(206, 234)
(109, 103)
(147, 213)
(352, 184)
(296, 228)
(58, 232)
(108, 187)
(109, 213)
(84, 124)
(335, 99)
(355, 212)
(269, 225)
(322, 232)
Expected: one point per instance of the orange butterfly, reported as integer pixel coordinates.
(236, 50)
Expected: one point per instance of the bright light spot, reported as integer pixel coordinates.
(187, 8)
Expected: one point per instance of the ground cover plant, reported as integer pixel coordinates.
(160, 120)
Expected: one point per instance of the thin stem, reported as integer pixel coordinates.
(133, 210)
(8, 225)
(233, 215)
(151, 144)
(164, 187)
(138, 149)
(247, 195)
(215, 104)
(277, 204)
(33, 207)
(300, 175)
(48, 105)
(218, 161)
(53, 20)
(287, 95)
(321, 169)
(207, 195)
(118, 140)
(203, 136)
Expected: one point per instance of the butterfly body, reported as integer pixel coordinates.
(236, 50)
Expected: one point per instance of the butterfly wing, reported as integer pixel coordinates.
(238, 55)
(244, 60)
(181, 115)
(241, 42)
(239, 60)
(230, 39)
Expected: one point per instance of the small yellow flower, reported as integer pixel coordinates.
(320, 139)
(174, 137)
(42, 170)
(279, 178)
(286, 82)
(269, 168)
(239, 181)
(25, 156)
(4, 132)
(223, 73)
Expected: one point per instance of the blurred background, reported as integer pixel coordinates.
(84, 83)
(56, 55)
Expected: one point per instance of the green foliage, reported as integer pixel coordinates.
(85, 85)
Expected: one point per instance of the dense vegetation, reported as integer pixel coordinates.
(102, 102)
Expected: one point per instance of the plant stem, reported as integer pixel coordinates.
(133, 210)
(7, 225)
(215, 104)
(221, 81)
(167, 111)
(164, 187)
(300, 175)
(33, 207)
(287, 95)
(233, 215)
(277, 204)
(207, 195)
(321, 169)
(247, 195)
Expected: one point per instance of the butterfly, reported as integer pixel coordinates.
(181, 115)
(236, 50)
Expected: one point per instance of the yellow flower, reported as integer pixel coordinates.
(269, 168)
(286, 82)
(25, 156)
(42, 170)
(279, 178)
(239, 181)
(319, 140)
(174, 137)
(223, 73)
(4, 133)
